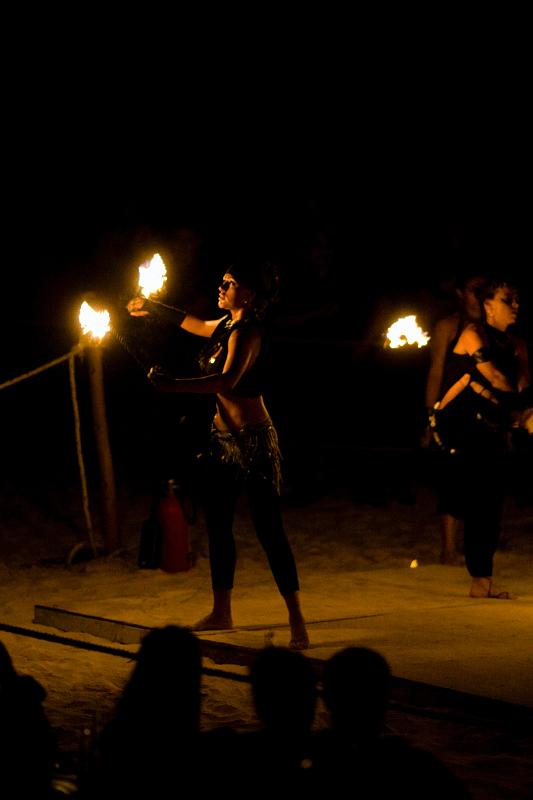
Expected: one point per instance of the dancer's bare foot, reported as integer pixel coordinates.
(484, 587)
(299, 636)
(214, 622)
(500, 594)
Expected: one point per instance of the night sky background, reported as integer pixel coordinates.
(371, 164)
(403, 151)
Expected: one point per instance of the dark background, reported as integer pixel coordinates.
(371, 170)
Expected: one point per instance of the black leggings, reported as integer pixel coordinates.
(483, 512)
(224, 484)
(479, 493)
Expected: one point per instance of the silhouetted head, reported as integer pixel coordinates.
(356, 688)
(166, 679)
(469, 288)
(283, 685)
(7, 670)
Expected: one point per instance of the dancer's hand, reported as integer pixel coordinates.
(136, 307)
(159, 378)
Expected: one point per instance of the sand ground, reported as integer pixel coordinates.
(358, 587)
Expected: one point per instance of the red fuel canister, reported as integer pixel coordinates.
(175, 543)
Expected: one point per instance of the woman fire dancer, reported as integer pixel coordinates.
(487, 392)
(244, 452)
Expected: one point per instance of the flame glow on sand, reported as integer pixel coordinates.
(95, 323)
(405, 331)
(152, 276)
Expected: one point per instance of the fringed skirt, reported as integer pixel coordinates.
(253, 451)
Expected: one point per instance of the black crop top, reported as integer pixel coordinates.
(499, 349)
(213, 356)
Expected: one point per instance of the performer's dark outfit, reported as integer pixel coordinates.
(477, 430)
(248, 459)
(446, 500)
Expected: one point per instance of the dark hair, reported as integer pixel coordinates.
(260, 275)
(283, 686)
(165, 680)
(495, 282)
(356, 686)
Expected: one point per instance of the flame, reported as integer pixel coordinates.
(405, 331)
(152, 275)
(95, 323)
(413, 564)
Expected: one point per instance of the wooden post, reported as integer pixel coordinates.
(107, 479)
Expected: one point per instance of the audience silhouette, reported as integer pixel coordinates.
(356, 750)
(153, 738)
(153, 745)
(278, 754)
(28, 748)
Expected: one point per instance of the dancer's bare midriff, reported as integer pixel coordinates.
(234, 413)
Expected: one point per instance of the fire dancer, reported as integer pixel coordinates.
(443, 340)
(487, 390)
(243, 453)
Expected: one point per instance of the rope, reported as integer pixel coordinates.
(82, 644)
(77, 430)
(52, 637)
(77, 349)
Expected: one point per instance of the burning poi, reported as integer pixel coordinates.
(405, 331)
(152, 276)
